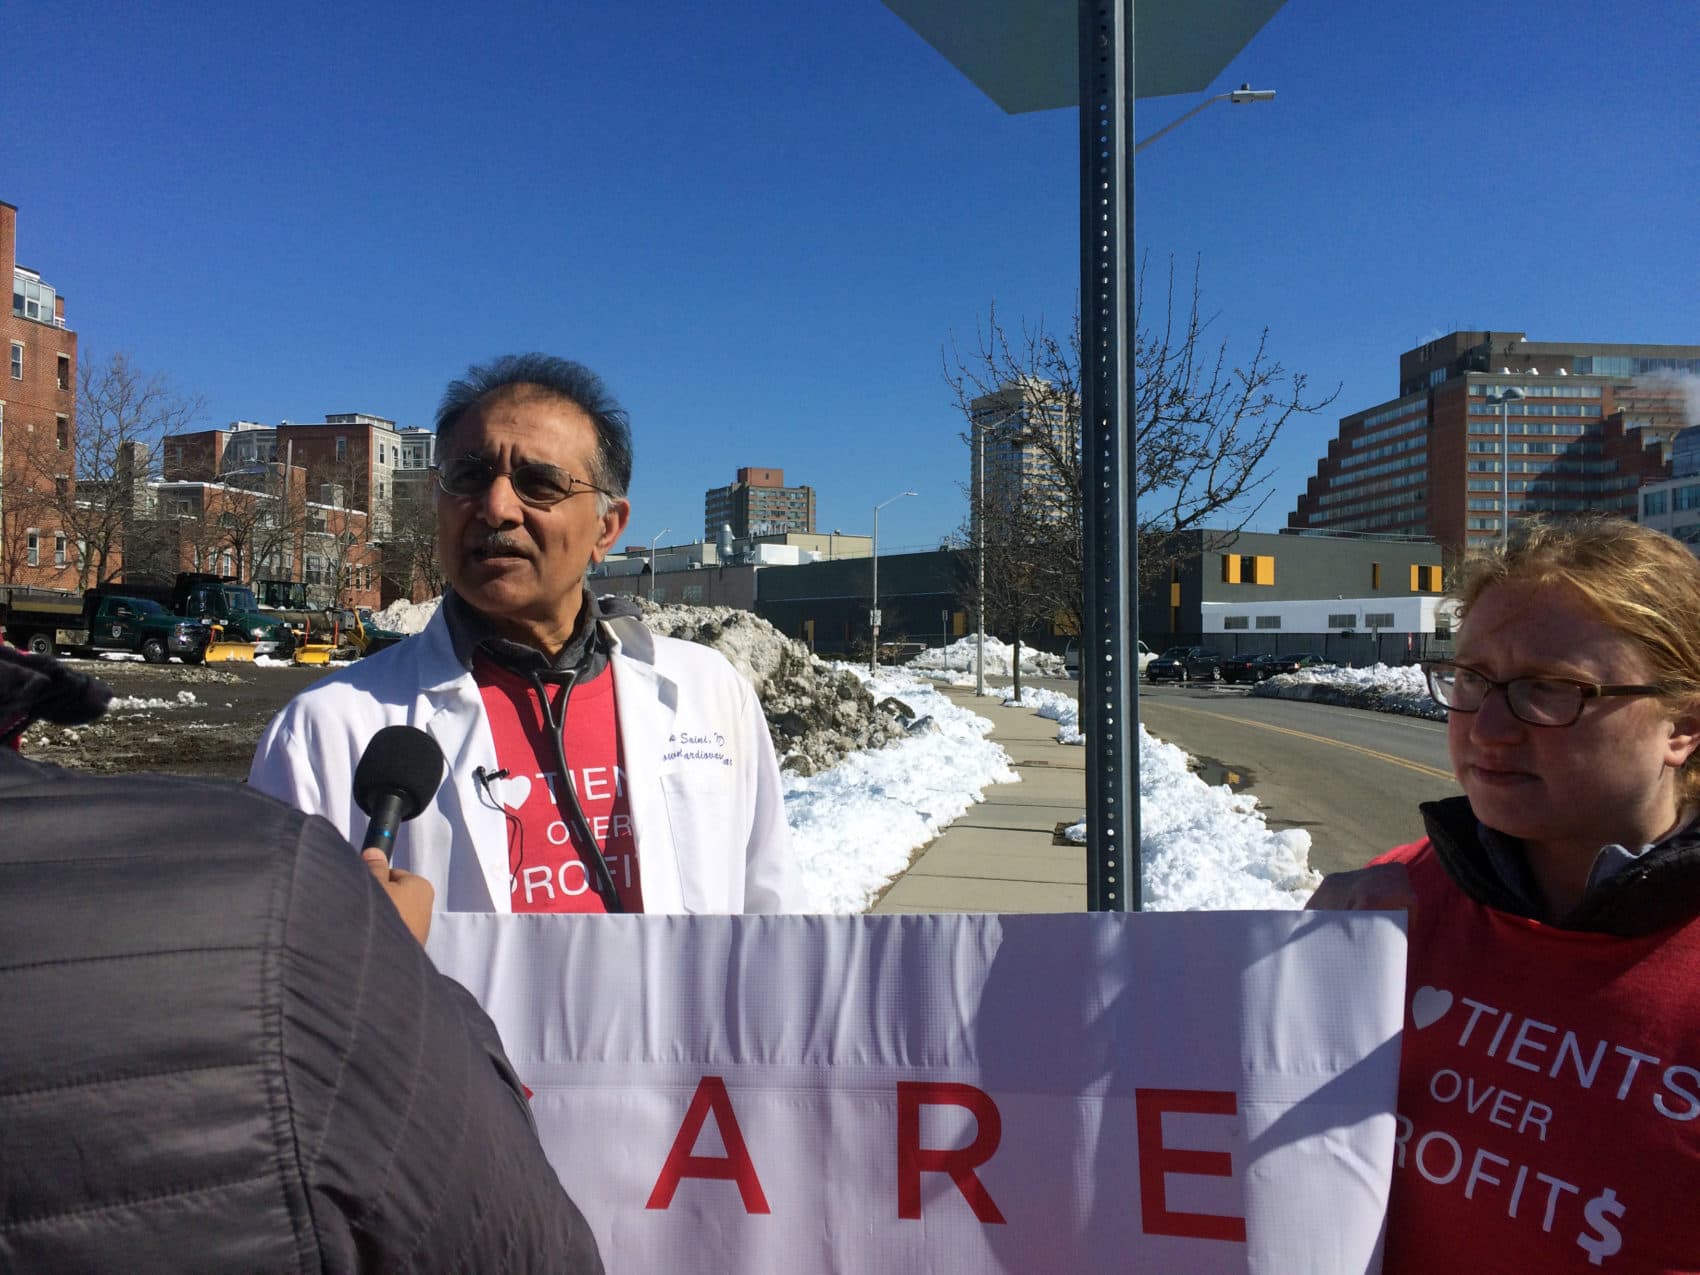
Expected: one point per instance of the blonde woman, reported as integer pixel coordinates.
(1549, 1098)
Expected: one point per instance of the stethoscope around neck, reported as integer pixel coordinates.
(541, 680)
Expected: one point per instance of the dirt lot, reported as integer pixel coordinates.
(211, 732)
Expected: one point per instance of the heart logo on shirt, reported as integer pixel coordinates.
(512, 791)
(1429, 1005)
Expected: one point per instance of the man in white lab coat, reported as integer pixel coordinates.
(592, 766)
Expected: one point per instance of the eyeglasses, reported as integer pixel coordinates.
(1539, 701)
(535, 483)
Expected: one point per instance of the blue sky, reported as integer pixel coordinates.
(760, 221)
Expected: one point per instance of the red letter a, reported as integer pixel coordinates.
(913, 1160)
(734, 1166)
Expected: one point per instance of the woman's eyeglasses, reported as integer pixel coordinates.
(536, 484)
(1539, 701)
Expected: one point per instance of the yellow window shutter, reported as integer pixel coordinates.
(1265, 568)
(1230, 569)
(1416, 578)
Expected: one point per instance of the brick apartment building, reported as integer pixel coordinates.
(351, 459)
(758, 503)
(1587, 424)
(351, 488)
(260, 524)
(38, 423)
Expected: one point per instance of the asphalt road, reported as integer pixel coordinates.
(1351, 778)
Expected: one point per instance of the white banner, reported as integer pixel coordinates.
(1198, 1092)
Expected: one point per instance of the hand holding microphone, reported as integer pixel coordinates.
(397, 774)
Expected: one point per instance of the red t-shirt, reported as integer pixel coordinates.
(547, 870)
(1549, 1093)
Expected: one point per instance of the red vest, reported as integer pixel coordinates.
(547, 870)
(1549, 1093)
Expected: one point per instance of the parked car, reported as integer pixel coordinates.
(1289, 664)
(1243, 668)
(1071, 657)
(1184, 663)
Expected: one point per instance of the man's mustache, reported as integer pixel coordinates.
(497, 542)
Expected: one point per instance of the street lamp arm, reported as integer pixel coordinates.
(1245, 93)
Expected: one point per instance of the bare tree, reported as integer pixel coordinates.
(261, 513)
(23, 505)
(410, 543)
(1203, 426)
(91, 475)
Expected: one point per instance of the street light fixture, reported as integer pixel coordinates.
(874, 614)
(1510, 394)
(980, 427)
(1245, 93)
(657, 536)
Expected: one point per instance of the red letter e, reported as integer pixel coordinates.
(1155, 1160)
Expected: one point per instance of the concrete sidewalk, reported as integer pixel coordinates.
(1002, 855)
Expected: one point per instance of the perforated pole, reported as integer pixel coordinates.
(1108, 670)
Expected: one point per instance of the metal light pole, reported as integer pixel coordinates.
(1510, 394)
(657, 536)
(1245, 93)
(874, 613)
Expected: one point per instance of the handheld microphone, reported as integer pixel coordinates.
(397, 774)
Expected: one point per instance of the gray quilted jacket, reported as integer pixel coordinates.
(221, 1050)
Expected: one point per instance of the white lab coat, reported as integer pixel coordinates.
(700, 772)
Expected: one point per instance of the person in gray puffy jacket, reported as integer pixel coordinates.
(223, 1050)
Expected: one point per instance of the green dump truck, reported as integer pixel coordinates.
(48, 621)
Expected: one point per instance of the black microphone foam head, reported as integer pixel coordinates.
(399, 759)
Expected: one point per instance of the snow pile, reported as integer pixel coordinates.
(817, 712)
(1201, 847)
(133, 703)
(1208, 847)
(1205, 848)
(1061, 709)
(856, 825)
(1385, 688)
(406, 617)
(953, 662)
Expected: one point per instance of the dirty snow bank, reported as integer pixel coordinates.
(955, 663)
(1383, 688)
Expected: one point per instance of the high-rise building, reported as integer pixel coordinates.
(1021, 428)
(758, 503)
(38, 425)
(1486, 418)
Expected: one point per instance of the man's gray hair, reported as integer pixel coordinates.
(562, 378)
